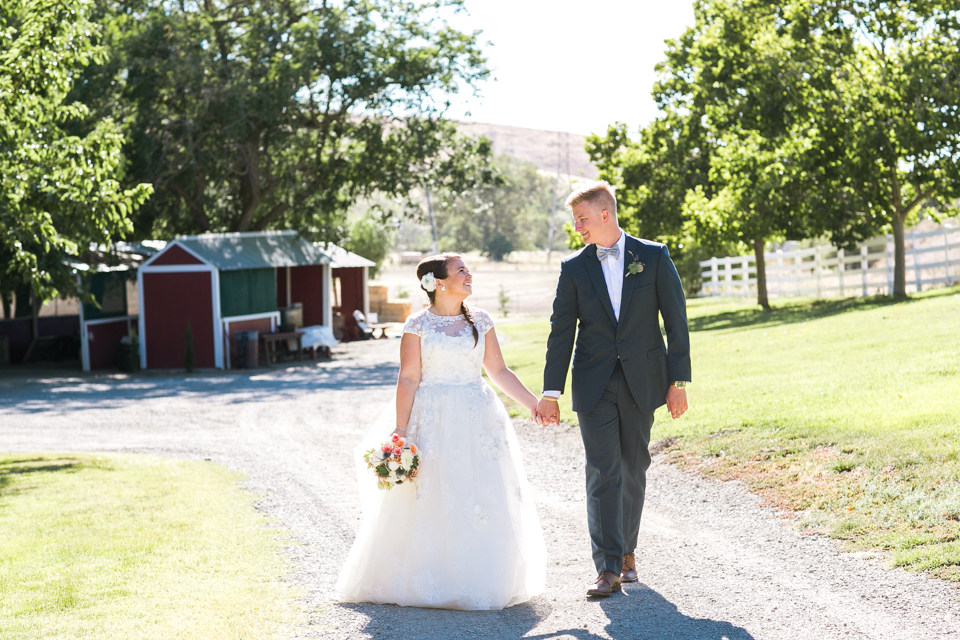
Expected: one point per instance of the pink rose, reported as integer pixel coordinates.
(385, 448)
(395, 438)
(397, 451)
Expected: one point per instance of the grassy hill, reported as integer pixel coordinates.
(843, 414)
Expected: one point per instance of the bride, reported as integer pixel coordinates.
(466, 534)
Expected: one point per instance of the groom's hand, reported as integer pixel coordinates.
(549, 411)
(676, 401)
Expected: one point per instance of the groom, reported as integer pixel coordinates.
(616, 288)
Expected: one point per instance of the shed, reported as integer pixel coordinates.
(350, 280)
(218, 284)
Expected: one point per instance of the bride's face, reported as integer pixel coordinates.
(458, 282)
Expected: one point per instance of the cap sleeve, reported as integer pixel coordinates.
(414, 324)
(483, 321)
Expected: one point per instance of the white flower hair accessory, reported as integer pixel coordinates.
(429, 282)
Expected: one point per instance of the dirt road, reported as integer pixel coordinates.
(712, 563)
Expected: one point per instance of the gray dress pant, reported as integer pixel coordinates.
(616, 437)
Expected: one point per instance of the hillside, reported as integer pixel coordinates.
(551, 151)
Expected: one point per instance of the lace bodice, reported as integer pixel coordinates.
(447, 352)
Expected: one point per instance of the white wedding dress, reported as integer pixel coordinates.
(466, 534)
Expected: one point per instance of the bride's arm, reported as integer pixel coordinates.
(409, 379)
(503, 377)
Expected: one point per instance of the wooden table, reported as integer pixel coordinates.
(270, 341)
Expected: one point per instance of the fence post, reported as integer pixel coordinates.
(916, 261)
(779, 273)
(816, 268)
(714, 274)
(798, 272)
(946, 257)
(840, 268)
(745, 264)
(864, 266)
(728, 275)
(889, 258)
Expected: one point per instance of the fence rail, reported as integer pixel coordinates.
(932, 258)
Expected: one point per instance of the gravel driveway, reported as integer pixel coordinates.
(713, 564)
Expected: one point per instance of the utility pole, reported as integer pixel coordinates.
(433, 223)
(553, 209)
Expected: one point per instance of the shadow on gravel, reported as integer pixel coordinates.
(639, 613)
(76, 394)
(413, 623)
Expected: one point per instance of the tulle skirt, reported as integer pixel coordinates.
(466, 534)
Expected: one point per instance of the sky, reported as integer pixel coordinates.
(574, 66)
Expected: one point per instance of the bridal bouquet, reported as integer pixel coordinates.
(395, 462)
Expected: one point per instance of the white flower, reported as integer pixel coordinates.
(428, 282)
(406, 459)
(393, 465)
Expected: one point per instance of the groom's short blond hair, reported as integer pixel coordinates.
(599, 192)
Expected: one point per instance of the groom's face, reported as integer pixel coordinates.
(589, 220)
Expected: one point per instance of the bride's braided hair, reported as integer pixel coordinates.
(438, 266)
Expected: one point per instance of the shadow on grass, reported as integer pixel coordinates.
(638, 613)
(791, 313)
(9, 469)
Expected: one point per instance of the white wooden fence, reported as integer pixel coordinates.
(932, 258)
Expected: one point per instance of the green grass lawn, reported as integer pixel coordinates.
(846, 412)
(115, 546)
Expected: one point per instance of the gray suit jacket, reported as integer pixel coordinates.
(636, 340)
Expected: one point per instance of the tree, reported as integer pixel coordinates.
(901, 98)
(370, 236)
(505, 211)
(742, 154)
(255, 114)
(60, 192)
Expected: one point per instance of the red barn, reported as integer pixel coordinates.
(217, 284)
(350, 274)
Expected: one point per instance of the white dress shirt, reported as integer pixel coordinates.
(613, 277)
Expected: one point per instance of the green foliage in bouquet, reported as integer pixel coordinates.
(377, 459)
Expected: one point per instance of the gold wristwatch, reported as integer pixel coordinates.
(679, 384)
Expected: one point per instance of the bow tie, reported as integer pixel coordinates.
(603, 252)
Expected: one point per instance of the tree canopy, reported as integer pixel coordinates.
(60, 192)
(794, 120)
(507, 211)
(255, 114)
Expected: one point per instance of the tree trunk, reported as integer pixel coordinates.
(24, 306)
(250, 192)
(35, 305)
(762, 299)
(7, 305)
(899, 256)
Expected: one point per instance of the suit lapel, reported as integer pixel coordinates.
(631, 252)
(595, 271)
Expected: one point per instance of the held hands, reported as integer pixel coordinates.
(676, 401)
(547, 412)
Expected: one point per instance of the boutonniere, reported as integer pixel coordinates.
(635, 267)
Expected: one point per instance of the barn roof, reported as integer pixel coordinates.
(341, 258)
(260, 250)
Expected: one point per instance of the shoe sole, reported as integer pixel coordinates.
(622, 579)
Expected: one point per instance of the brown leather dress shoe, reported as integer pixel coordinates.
(629, 571)
(607, 582)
